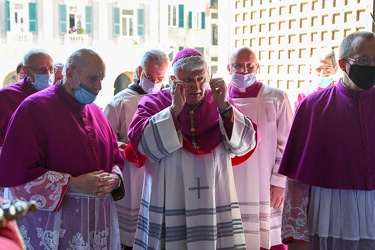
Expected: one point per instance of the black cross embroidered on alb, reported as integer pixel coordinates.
(199, 187)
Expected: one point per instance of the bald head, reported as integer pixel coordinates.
(243, 61)
(83, 59)
(241, 52)
(85, 67)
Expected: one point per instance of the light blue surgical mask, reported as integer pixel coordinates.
(43, 81)
(325, 81)
(84, 94)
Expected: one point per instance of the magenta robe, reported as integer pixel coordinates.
(208, 135)
(52, 131)
(332, 140)
(10, 98)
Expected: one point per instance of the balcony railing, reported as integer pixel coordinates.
(75, 39)
(19, 37)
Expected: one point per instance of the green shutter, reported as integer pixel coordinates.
(181, 16)
(140, 22)
(7, 15)
(33, 18)
(116, 21)
(203, 20)
(63, 18)
(88, 16)
(190, 19)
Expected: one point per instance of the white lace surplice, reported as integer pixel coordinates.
(337, 219)
(66, 220)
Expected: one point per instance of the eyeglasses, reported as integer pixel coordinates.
(153, 79)
(362, 60)
(191, 81)
(50, 70)
(249, 67)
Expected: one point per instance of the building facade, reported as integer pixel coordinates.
(120, 31)
(285, 34)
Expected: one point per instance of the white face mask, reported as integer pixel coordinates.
(241, 82)
(148, 86)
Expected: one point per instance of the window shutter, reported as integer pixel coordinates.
(140, 22)
(7, 14)
(63, 17)
(32, 18)
(116, 21)
(190, 19)
(181, 15)
(88, 16)
(203, 20)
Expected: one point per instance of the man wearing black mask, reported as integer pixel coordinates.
(329, 158)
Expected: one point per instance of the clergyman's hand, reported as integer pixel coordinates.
(219, 91)
(277, 196)
(178, 94)
(94, 183)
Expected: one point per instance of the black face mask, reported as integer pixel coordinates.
(362, 76)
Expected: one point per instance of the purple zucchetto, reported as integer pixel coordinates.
(186, 53)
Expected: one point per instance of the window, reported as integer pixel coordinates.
(140, 22)
(33, 24)
(116, 21)
(176, 18)
(17, 21)
(197, 20)
(200, 49)
(127, 22)
(214, 4)
(215, 34)
(63, 19)
(21, 17)
(172, 15)
(88, 17)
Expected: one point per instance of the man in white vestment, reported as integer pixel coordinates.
(186, 136)
(259, 187)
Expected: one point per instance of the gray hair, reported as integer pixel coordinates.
(28, 57)
(324, 53)
(189, 64)
(350, 43)
(156, 57)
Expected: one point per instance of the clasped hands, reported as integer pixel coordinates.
(97, 183)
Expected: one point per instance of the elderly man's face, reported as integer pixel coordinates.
(196, 83)
(323, 68)
(244, 63)
(91, 76)
(153, 73)
(39, 64)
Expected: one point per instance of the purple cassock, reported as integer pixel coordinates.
(206, 122)
(332, 140)
(10, 98)
(50, 139)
